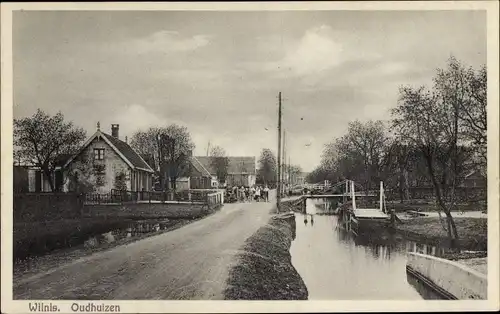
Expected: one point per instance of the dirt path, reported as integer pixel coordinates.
(189, 263)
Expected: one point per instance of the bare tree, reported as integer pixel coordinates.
(166, 150)
(145, 143)
(359, 154)
(267, 166)
(467, 88)
(318, 175)
(220, 163)
(294, 172)
(175, 147)
(41, 139)
(440, 123)
(420, 120)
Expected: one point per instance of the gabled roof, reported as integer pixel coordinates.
(61, 159)
(237, 165)
(475, 173)
(195, 162)
(127, 153)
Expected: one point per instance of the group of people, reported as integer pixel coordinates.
(247, 194)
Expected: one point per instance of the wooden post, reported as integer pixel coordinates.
(381, 196)
(353, 193)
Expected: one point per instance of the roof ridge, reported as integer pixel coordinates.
(111, 138)
(201, 164)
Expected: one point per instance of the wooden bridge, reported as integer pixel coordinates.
(339, 195)
(349, 187)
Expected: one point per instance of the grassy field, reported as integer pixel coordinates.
(472, 232)
(264, 270)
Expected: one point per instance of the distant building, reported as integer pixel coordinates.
(113, 160)
(241, 170)
(299, 179)
(475, 179)
(30, 178)
(200, 176)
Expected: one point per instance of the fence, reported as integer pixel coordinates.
(462, 194)
(120, 197)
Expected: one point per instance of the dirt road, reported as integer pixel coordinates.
(188, 263)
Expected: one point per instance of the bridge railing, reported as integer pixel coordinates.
(215, 198)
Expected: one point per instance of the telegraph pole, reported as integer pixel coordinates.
(289, 172)
(278, 194)
(283, 157)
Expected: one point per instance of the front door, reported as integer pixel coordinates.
(38, 181)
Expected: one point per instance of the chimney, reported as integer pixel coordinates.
(114, 130)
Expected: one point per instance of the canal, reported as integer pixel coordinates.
(336, 265)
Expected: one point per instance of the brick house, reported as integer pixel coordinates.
(241, 170)
(200, 176)
(113, 163)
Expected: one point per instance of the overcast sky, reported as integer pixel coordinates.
(219, 73)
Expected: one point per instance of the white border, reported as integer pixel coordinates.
(492, 7)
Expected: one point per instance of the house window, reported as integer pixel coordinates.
(98, 153)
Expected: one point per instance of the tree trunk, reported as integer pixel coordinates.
(48, 173)
(401, 185)
(452, 230)
(406, 185)
(173, 183)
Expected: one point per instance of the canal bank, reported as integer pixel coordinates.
(337, 265)
(264, 269)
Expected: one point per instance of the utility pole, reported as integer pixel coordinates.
(290, 181)
(208, 148)
(278, 194)
(283, 171)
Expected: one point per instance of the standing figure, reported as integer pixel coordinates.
(266, 193)
(242, 193)
(257, 194)
(252, 192)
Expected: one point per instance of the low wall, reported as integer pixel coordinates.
(459, 280)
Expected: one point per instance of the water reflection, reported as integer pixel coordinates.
(309, 218)
(134, 229)
(336, 265)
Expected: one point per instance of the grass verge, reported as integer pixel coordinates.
(264, 269)
(472, 232)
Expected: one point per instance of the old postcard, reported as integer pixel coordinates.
(180, 157)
